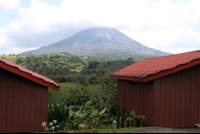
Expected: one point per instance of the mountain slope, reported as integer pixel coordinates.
(96, 41)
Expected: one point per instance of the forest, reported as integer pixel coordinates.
(65, 67)
(82, 79)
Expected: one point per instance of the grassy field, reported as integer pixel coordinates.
(66, 87)
(10, 58)
(65, 90)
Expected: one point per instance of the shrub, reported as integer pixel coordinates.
(49, 126)
(78, 96)
(61, 125)
(57, 111)
(86, 116)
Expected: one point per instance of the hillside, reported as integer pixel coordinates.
(97, 41)
(121, 55)
(64, 67)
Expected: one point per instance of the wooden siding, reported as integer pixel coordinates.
(171, 101)
(23, 104)
(179, 106)
(136, 97)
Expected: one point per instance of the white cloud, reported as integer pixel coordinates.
(3, 38)
(177, 50)
(160, 25)
(169, 27)
(9, 4)
(15, 50)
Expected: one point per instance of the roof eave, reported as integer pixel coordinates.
(28, 76)
(127, 78)
(159, 74)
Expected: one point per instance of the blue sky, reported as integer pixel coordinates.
(168, 25)
(8, 15)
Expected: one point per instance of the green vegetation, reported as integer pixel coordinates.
(133, 114)
(68, 68)
(82, 79)
(57, 111)
(49, 126)
(102, 93)
(140, 117)
(86, 116)
(66, 91)
(107, 130)
(11, 57)
(119, 55)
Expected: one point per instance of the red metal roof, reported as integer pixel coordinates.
(29, 72)
(150, 66)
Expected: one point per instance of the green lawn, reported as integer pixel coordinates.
(66, 87)
(65, 90)
(120, 130)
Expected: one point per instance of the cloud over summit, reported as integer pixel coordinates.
(163, 25)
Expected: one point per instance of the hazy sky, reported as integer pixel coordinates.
(168, 25)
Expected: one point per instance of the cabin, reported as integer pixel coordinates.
(23, 98)
(164, 89)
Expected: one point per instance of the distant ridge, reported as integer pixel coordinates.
(95, 41)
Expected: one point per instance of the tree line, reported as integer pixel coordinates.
(67, 67)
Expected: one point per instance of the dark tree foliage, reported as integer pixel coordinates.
(93, 64)
(57, 111)
(118, 56)
(51, 65)
(78, 96)
(105, 93)
(62, 67)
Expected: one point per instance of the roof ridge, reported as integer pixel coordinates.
(171, 54)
